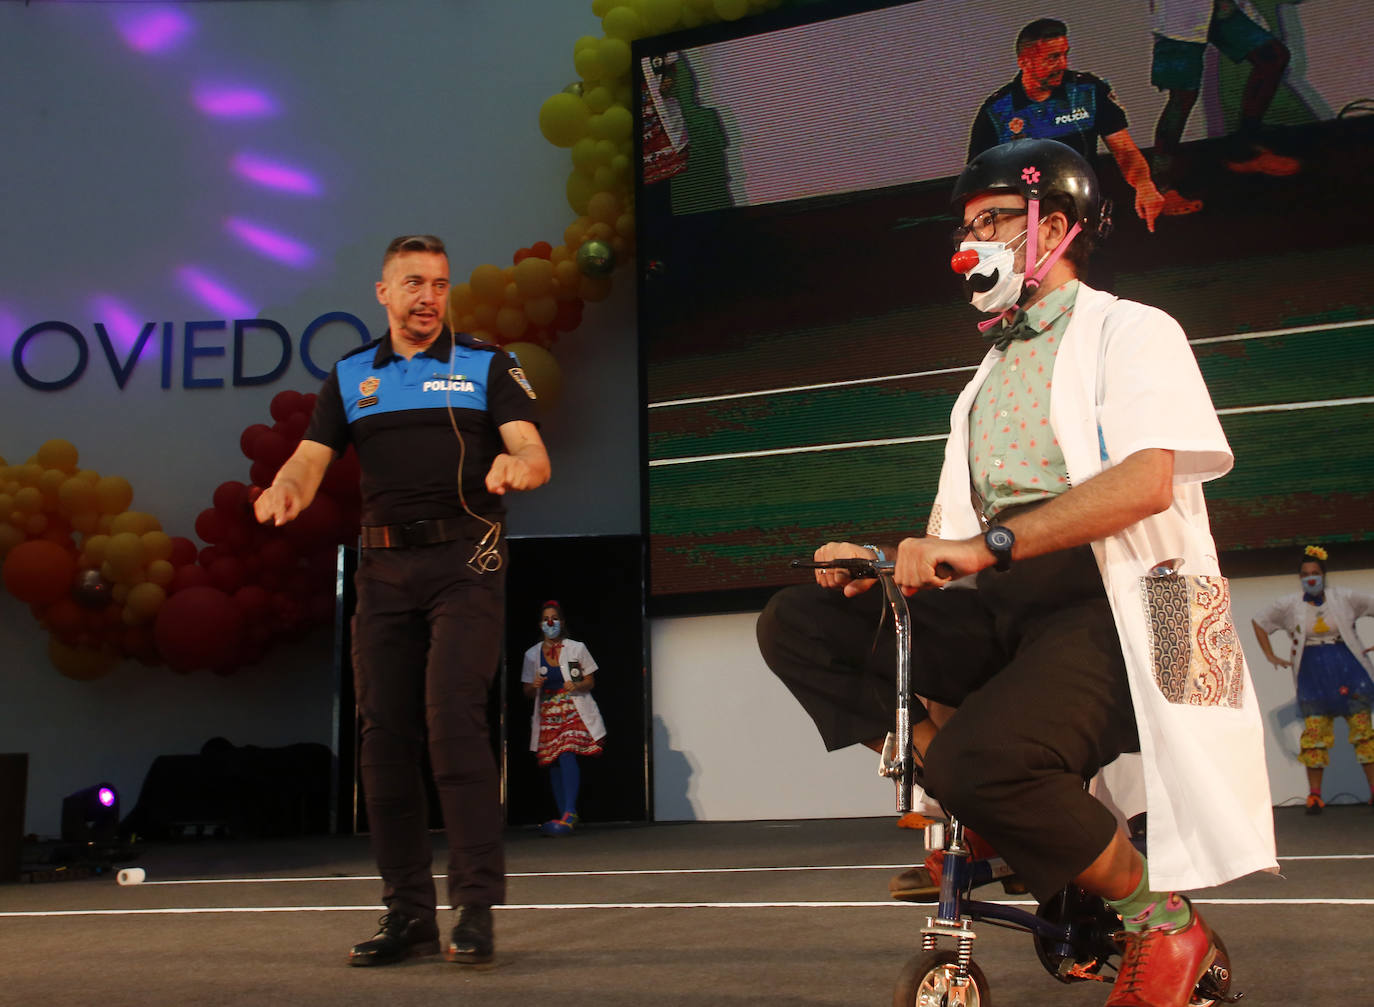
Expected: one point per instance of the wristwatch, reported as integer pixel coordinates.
(999, 540)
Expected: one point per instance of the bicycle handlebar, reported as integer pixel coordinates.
(863, 568)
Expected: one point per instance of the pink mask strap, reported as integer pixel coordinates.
(1032, 226)
(996, 319)
(1034, 281)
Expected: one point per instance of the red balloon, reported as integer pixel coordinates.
(253, 601)
(231, 499)
(319, 609)
(248, 440)
(209, 554)
(321, 522)
(272, 448)
(278, 554)
(188, 575)
(262, 473)
(285, 403)
(198, 628)
(342, 476)
(226, 573)
(569, 315)
(210, 526)
(183, 551)
(542, 249)
(308, 401)
(65, 617)
(39, 572)
(521, 254)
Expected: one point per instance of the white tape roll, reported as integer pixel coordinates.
(131, 876)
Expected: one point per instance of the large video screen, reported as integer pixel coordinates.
(804, 338)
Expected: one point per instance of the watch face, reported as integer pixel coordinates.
(999, 539)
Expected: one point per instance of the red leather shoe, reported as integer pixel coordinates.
(1160, 968)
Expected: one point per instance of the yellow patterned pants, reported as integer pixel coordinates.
(1319, 733)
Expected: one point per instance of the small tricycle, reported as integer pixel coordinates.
(1076, 935)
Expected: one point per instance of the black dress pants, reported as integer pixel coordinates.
(426, 645)
(1031, 660)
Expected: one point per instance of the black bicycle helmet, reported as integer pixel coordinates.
(1035, 169)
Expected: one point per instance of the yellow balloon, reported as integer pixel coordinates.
(143, 602)
(113, 494)
(587, 40)
(541, 369)
(94, 547)
(29, 474)
(28, 500)
(587, 61)
(85, 522)
(50, 482)
(534, 276)
(541, 310)
(659, 15)
(511, 323)
(580, 188)
(616, 123)
(622, 23)
(156, 545)
(10, 536)
(58, 454)
(512, 296)
(487, 282)
(36, 524)
(731, 10)
(74, 496)
(124, 554)
(563, 116)
(598, 99)
(134, 521)
(161, 572)
(614, 57)
(89, 475)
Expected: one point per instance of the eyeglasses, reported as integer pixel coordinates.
(984, 224)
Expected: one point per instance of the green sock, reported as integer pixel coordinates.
(1144, 909)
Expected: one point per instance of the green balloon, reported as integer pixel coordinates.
(595, 258)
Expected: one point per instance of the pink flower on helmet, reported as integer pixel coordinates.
(1030, 175)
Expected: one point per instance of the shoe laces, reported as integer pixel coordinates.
(1139, 944)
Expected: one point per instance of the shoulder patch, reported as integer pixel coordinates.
(518, 374)
(368, 347)
(463, 339)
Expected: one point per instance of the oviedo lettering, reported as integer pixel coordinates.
(198, 348)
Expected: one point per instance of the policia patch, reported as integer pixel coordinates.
(518, 374)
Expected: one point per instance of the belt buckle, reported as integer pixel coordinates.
(412, 533)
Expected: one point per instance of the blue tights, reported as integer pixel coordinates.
(565, 777)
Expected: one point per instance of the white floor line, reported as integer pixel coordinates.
(641, 873)
(569, 906)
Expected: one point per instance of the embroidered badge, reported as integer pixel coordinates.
(369, 385)
(1016, 125)
(367, 400)
(518, 374)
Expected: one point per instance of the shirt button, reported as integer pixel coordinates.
(1002, 413)
(1013, 367)
(997, 462)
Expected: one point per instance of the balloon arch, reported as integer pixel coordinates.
(108, 583)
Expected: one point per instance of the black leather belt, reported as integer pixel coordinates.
(412, 533)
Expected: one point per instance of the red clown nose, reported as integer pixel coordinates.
(964, 260)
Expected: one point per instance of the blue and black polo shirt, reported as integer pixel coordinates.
(400, 415)
(1077, 112)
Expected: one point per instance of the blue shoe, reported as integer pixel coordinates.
(560, 826)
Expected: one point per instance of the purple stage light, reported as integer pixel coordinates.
(275, 246)
(106, 797)
(275, 175)
(122, 324)
(154, 31)
(214, 294)
(234, 102)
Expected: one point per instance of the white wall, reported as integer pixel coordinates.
(731, 743)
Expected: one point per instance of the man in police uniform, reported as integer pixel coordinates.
(443, 426)
(1048, 101)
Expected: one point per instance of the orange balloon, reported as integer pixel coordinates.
(39, 572)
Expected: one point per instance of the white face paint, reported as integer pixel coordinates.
(997, 265)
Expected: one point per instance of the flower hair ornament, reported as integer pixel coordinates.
(1316, 552)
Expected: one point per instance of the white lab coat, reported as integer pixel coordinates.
(1125, 379)
(1342, 608)
(586, 707)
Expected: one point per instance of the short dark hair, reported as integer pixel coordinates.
(1307, 557)
(413, 243)
(1039, 31)
(1082, 245)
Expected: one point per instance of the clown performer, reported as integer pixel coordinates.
(1330, 670)
(559, 675)
(1092, 622)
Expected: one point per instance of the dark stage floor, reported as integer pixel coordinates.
(690, 914)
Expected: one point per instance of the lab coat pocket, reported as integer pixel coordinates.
(1194, 652)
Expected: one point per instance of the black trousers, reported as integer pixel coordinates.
(426, 645)
(1031, 659)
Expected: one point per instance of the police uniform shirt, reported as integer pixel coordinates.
(1081, 109)
(400, 415)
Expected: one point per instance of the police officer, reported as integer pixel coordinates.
(1048, 101)
(443, 426)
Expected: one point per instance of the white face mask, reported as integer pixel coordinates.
(997, 264)
(551, 629)
(1313, 585)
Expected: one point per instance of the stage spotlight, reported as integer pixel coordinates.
(91, 815)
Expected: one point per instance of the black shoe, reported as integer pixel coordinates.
(399, 937)
(472, 942)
